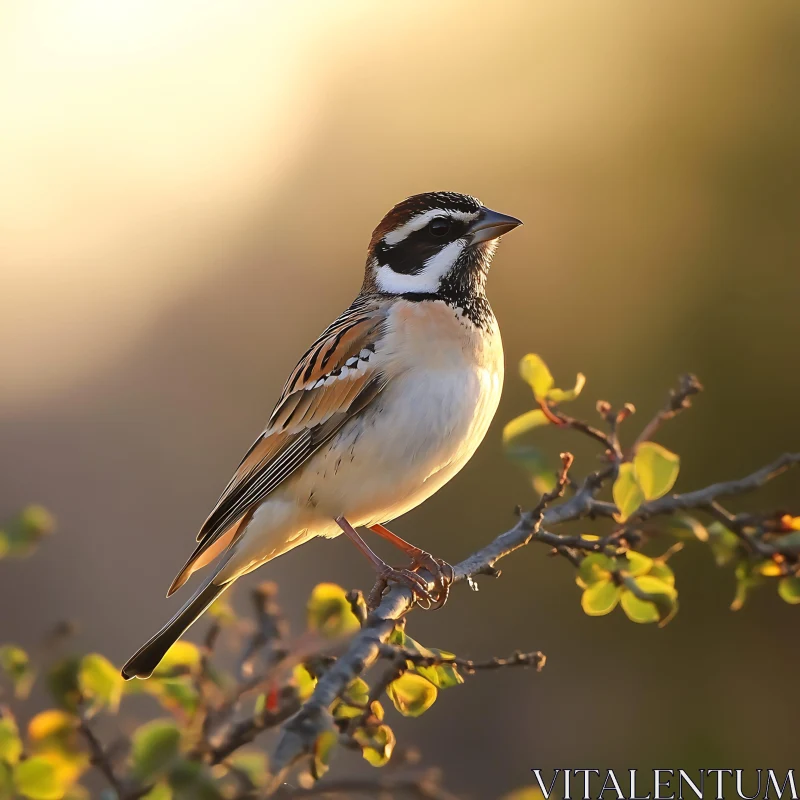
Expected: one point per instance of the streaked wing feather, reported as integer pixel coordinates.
(321, 395)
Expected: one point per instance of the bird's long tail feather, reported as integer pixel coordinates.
(147, 657)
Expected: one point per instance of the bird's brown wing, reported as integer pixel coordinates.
(335, 380)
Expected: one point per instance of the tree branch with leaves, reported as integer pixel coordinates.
(270, 724)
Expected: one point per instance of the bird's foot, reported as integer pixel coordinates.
(405, 577)
(443, 575)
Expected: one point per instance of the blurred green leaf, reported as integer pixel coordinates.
(656, 469)
(100, 682)
(523, 424)
(627, 493)
(789, 590)
(746, 579)
(329, 611)
(724, 543)
(535, 373)
(161, 791)
(683, 526)
(321, 756)
(252, 763)
(155, 748)
(222, 610)
(62, 680)
(304, 681)
(600, 598)
(376, 743)
(175, 694)
(16, 665)
(567, 395)
(21, 534)
(36, 778)
(10, 742)
(190, 780)
(412, 694)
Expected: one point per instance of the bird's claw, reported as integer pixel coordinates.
(443, 576)
(405, 577)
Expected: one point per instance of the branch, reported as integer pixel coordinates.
(424, 787)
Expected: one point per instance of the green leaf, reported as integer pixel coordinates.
(155, 748)
(354, 700)
(190, 780)
(304, 681)
(683, 526)
(524, 423)
(100, 682)
(594, 568)
(37, 779)
(175, 694)
(24, 532)
(662, 606)
(412, 694)
(600, 598)
(16, 665)
(635, 563)
(627, 493)
(535, 373)
(321, 756)
(442, 676)
(789, 590)
(656, 469)
(10, 743)
(376, 743)
(329, 611)
(222, 610)
(251, 763)
(567, 395)
(62, 680)
(161, 791)
(746, 579)
(663, 572)
(724, 543)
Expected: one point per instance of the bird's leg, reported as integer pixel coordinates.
(443, 573)
(405, 577)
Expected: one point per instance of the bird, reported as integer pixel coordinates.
(383, 409)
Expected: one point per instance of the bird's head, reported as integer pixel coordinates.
(437, 243)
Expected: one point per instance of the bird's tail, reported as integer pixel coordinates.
(148, 656)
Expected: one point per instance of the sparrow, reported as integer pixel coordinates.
(386, 406)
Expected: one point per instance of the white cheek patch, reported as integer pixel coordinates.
(427, 281)
(418, 222)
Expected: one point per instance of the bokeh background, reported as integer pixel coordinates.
(186, 196)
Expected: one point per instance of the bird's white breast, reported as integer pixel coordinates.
(445, 377)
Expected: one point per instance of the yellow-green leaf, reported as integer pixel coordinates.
(656, 469)
(535, 373)
(155, 747)
(329, 611)
(36, 778)
(595, 567)
(523, 424)
(567, 395)
(662, 572)
(62, 680)
(789, 590)
(412, 694)
(660, 609)
(251, 763)
(627, 493)
(15, 663)
(161, 791)
(635, 563)
(377, 744)
(10, 743)
(304, 681)
(321, 756)
(600, 598)
(100, 682)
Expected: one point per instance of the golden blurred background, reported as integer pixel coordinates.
(186, 194)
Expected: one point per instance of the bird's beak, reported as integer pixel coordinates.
(491, 225)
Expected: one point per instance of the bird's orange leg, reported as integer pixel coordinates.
(442, 572)
(405, 577)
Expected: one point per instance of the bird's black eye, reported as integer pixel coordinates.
(439, 227)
